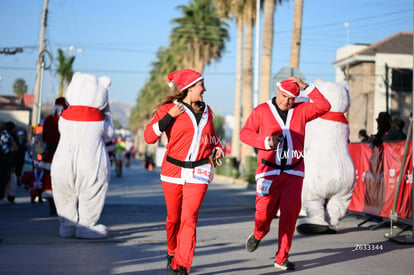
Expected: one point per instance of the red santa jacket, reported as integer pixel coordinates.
(187, 142)
(265, 121)
(50, 130)
(30, 177)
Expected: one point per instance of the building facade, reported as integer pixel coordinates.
(380, 78)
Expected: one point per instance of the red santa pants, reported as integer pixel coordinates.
(183, 203)
(284, 194)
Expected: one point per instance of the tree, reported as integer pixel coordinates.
(64, 70)
(219, 126)
(198, 38)
(19, 87)
(235, 9)
(267, 49)
(248, 22)
(117, 124)
(202, 32)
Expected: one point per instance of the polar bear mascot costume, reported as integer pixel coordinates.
(329, 169)
(80, 168)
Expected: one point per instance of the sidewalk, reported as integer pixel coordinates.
(135, 215)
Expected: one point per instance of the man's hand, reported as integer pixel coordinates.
(298, 81)
(275, 141)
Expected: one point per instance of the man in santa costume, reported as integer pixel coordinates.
(186, 169)
(50, 137)
(277, 129)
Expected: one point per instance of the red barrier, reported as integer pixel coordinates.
(376, 175)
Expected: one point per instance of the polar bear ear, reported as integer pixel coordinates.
(345, 84)
(76, 75)
(106, 81)
(318, 82)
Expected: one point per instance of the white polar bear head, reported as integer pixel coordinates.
(337, 94)
(88, 90)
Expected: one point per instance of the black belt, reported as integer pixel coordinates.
(187, 164)
(281, 167)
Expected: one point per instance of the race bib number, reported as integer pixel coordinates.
(203, 173)
(263, 187)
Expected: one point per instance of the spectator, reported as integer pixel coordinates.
(119, 155)
(20, 154)
(383, 126)
(51, 137)
(362, 135)
(7, 148)
(395, 132)
(129, 149)
(35, 181)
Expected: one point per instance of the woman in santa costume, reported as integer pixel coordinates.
(186, 169)
(277, 129)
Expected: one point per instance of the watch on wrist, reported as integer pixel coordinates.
(306, 86)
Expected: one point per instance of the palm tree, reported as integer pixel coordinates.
(234, 9)
(19, 87)
(64, 70)
(248, 22)
(197, 39)
(267, 48)
(202, 32)
(155, 88)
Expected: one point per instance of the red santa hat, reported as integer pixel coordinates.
(289, 88)
(184, 79)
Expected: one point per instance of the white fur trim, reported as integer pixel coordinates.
(156, 129)
(284, 90)
(172, 180)
(267, 173)
(295, 172)
(277, 172)
(309, 88)
(171, 84)
(266, 143)
(194, 82)
(221, 150)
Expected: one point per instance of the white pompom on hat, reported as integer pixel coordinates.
(184, 78)
(289, 88)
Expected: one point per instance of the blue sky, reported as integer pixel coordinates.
(120, 38)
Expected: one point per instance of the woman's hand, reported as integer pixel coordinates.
(217, 154)
(177, 110)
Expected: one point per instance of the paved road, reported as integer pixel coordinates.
(135, 215)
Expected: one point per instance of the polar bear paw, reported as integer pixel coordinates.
(98, 231)
(67, 231)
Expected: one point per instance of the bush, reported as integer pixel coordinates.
(229, 167)
(250, 169)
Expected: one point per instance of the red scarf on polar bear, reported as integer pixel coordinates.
(82, 113)
(335, 116)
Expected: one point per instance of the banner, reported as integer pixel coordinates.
(376, 176)
(404, 205)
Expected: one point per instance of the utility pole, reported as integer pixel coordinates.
(296, 34)
(37, 102)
